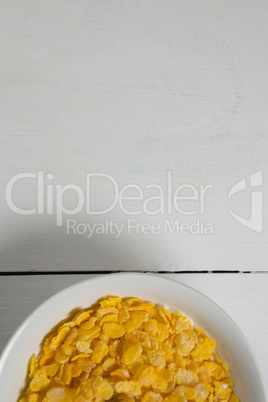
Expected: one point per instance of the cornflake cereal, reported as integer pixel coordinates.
(128, 350)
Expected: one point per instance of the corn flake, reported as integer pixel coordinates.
(130, 388)
(113, 330)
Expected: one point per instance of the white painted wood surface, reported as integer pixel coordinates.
(133, 89)
(243, 296)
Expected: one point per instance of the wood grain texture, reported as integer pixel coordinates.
(133, 89)
(243, 296)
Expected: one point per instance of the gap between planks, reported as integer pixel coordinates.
(34, 273)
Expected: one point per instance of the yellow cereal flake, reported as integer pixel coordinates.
(203, 349)
(59, 338)
(185, 377)
(222, 391)
(115, 348)
(108, 318)
(131, 354)
(165, 314)
(67, 349)
(52, 369)
(220, 362)
(78, 356)
(80, 317)
(189, 393)
(59, 394)
(109, 364)
(33, 365)
(144, 339)
(120, 374)
(85, 334)
(163, 332)
(89, 323)
(146, 375)
(123, 315)
(142, 306)
(152, 397)
(111, 301)
(113, 330)
(130, 388)
(128, 350)
(182, 324)
(71, 336)
(151, 327)
(132, 300)
(107, 310)
(61, 357)
(156, 358)
(202, 392)
(34, 398)
(67, 374)
(103, 389)
(135, 320)
(84, 363)
(173, 398)
(99, 352)
(40, 380)
(234, 398)
(186, 341)
(82, 346)
(125, 398)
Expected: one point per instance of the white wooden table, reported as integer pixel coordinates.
(137, 90)
(154, 95)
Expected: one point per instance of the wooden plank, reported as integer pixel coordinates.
(133, 90)
(243, 296)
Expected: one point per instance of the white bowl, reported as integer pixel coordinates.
(232, 346)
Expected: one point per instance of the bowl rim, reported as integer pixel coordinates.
(153, 276)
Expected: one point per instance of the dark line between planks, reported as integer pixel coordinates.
(35, 273)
